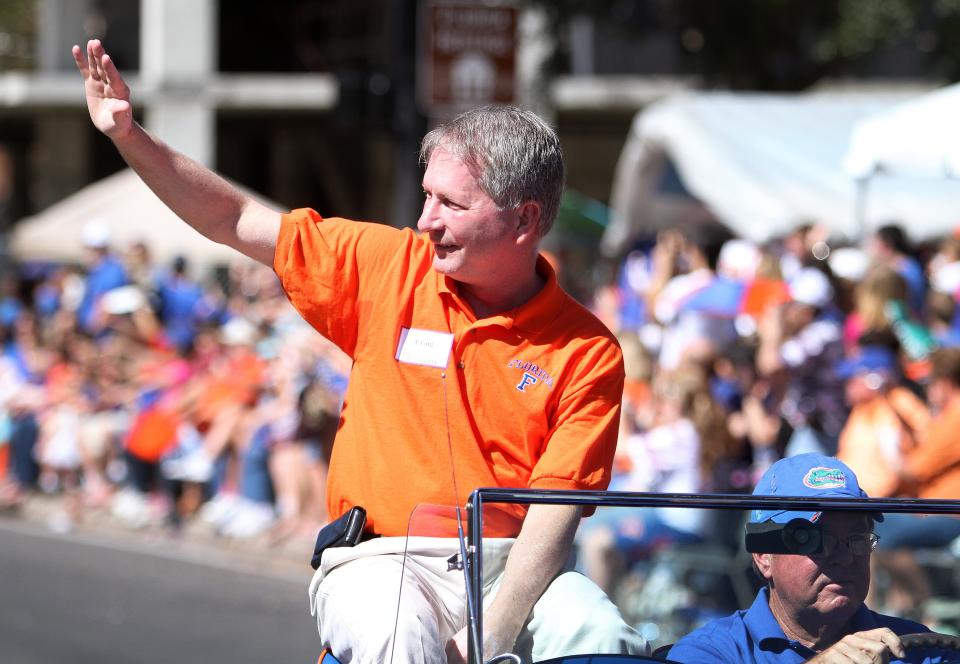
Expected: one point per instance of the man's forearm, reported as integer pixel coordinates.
(539, 553)
(200, 197)
(194, 193)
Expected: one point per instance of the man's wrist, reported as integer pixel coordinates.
(122, 138)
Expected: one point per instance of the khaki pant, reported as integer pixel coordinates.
(357, 598)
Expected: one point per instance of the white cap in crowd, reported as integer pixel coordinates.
(810, 286)
(946, 278)
(123, 300)
(95, 234)
(738, 259)
(849, 263)
(238, 332)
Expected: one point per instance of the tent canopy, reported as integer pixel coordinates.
(762, 164)
(131, 212)
(918, 138)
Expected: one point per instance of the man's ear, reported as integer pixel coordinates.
(761, 561)
(528, 218)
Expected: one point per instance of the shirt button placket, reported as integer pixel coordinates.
(471, 332)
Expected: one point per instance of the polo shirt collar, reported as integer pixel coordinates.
(531, 316)
(864, 619)
(540, 311)
(767, 633)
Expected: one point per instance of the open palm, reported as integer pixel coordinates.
(108, 97)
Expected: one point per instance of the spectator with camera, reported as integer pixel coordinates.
(816, 569)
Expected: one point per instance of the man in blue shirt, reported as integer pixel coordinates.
(181, 301)
(105, 272)
(817, 571)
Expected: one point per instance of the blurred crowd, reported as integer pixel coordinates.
(159, 396)
(738, 354)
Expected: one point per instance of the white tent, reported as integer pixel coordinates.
(764, 163)
(131, 213)
(919, 138)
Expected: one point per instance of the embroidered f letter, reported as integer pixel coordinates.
(528, 379)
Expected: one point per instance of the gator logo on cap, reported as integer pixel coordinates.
(825, 478)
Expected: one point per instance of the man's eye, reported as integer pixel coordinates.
(858, 544)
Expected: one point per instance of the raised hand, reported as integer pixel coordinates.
(108, 97)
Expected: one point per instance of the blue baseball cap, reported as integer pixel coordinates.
(814, 475)
(870, 359)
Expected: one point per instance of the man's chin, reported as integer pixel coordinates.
(445, 266)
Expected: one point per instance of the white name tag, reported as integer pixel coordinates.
(424, 347)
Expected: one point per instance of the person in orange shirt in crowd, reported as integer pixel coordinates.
(931, 470)
(218, 400)
(767, 290)
(885, 422)
(471, 367)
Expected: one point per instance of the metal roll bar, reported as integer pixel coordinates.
(474, 558)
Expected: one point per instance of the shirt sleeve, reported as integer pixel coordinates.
(329, 267)
(721, 641)
(578, 451)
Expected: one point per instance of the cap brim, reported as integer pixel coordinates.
(786, 516)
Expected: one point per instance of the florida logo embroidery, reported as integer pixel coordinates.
(825, 478)
(532, 375)
(528, 379)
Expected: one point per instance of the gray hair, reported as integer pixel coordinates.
(513, 154)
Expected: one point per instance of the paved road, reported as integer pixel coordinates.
(77, 599)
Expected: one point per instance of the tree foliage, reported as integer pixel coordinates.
(17, 30)
(780, 44)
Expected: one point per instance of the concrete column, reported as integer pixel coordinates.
(177, 65)
(581, 45)
(534, 47)
(61, 144)
(63, 26)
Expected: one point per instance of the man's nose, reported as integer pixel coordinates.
(429, 219)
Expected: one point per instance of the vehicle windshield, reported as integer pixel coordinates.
(675, 567)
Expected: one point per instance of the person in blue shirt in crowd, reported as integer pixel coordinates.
(10, 305)
(816, 566)
(181, 302)
(890, 245)
(105, 273)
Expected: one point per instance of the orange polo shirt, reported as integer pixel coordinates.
(527, 399)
